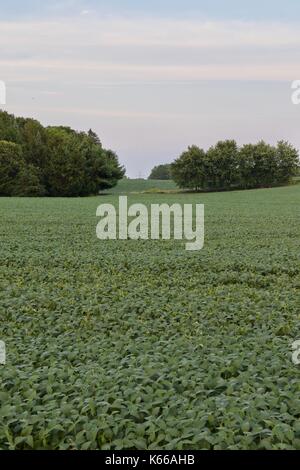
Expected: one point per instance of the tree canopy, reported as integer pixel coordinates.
(225, 166)
(53, 161)
(161, 172)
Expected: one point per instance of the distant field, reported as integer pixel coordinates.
(142, 345)
(127, 186)
(140, 185)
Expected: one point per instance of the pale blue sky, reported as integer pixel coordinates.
(217, 9)
(154, 77)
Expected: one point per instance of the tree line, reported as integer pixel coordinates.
(161, 172)
(227, 166)
(53, 161)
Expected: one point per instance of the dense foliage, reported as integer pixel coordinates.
(225, 166)
(161, 172)
(54, 161)
(142, 345)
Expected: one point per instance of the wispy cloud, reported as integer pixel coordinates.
(153, 31)
(97, 72)
(148, 48)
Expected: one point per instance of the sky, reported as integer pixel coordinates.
(152, 77)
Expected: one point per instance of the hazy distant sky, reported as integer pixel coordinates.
(152, 77)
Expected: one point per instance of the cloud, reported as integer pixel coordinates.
(153, 32)
(184, 81)
(156, 49)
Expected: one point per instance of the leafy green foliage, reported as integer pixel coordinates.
(161, 172)
(58, 161)
(222, 165)
(11, 163)
(225, 166)
(28, 183)
(142, 345)
(189, 170)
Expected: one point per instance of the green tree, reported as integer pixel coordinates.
(225, 166)
(112, 171)
(78, 165)
(287, 162)
(34, 141)
(258, 165)
(94, 138)
(222, 165)
(28, 182)
(9, 128)
(188, 171)
(56, 161)
(11, 163)
(161, 172)
(102, 169)
(65, 168)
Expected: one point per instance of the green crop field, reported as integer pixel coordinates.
(141, 344)
(126, 186)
